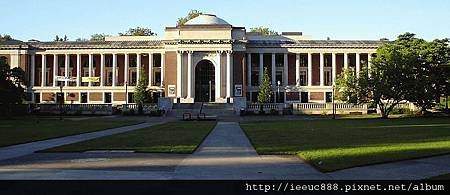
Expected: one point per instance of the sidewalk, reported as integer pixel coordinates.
(28, 148)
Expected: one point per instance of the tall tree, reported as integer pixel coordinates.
(141, 94)
(263, 31)
(192, 14)
(265, 90)
(391, 76)
(11, 91)
(59, 39)
(138, 31)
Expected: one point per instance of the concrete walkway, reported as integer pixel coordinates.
(227, 154)
(29, 148)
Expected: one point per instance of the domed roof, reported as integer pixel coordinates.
(206, 19)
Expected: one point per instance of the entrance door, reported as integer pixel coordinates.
(204, 82)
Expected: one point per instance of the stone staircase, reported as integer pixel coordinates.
(216, 110)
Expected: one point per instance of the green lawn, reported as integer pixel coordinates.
(177, 137)
(34, 129)
(441, 177)
(337, 144)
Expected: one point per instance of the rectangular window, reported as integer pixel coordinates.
(279, 60)
(279, 77)
(255, 78)
(84, 97)
(37, 98)
(131, 97)
(303, 78)
(254, 96)
(304, 97)
(59, 97)
(328, 96)
(107, 99)
(303, 60)
(327, 78)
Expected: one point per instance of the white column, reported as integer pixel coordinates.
(78, 70)
(333, 67)
(126, 72)
(179, 75)
(261, 68)
(163, 64)
(285, 70)
(189, 75)
(90, 68)
(321, 69)
(297, 69)
(33, 67)
(369, 59)
(273, 72)
(358, 64)
(55, 69)
(43, 70)
(66, 68)
(138, 67)
(114, 70)
(228, 84)
(345, 61)
(150, 69)
(102, 69)
(309, 69)
(249, 69)
(218, 79)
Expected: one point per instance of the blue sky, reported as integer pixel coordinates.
(344, 19)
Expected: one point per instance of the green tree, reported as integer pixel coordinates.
(98, 37)
(11, 91)
(5, 38)
(59, 39)
(138, 31)
(141, 94)
(191, 14)
(263, 31)
(265, 90)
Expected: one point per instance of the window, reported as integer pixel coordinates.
(255, 78)
(328, 96)
(279, 77)
(303, 78)
(303, 60)
(107, 99)
(327, 78)
(304, 97)
(37, 98)
(279, 60)
(131, 97)
(59, 97)
(84, 97)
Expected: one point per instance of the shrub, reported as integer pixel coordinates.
(273, 112)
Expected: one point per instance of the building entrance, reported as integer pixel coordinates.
(204, 82)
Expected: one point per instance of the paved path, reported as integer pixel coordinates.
(227, 154)
(402, 170)
(28, 148)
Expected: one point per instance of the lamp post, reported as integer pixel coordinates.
(126, 93)
(61, 99)
(278, 91)
(334, 106)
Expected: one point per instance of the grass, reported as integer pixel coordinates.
(176, 137)
(34, 129)
(441, 177)
(338, 144)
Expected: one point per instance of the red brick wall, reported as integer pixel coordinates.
(48, 97)
(121, 67)
(73, 64)
(339, 63)
(50, 64)
(316, 96)
(144, 62)
(315, 69)
(96, 61)
(292, 96)
(119, 96)
(170, 70)
(239, 71)
(291, 69)
(95, 96)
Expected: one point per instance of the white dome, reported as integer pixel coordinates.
(206, 19)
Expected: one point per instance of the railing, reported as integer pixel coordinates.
(327, 108)
(146, 108)
(265, 107)
(96, 109)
